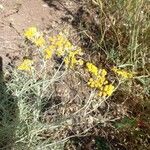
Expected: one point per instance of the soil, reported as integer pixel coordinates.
(17, 15)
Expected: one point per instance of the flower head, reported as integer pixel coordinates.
(62, 44)
(108, 89)
(92, 68)
(99, 81)
(26, 65)
(103, 72)
(48, 52)
(71, 59)
(30, 32)
(40, 41)
(124, 74)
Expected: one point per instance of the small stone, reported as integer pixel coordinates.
(1, 7)
(45, 5)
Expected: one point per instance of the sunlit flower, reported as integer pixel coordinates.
(30, 32)
(40, 41)
(92, 68)
(26, 65)
(63, 48)
(124, 74)
(103, 72)
(48, 52)
(61, 44)
(99, 81)
(71, 59)
(108, 89)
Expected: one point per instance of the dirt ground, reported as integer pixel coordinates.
(17, 15)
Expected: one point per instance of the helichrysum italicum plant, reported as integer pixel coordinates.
(31, 91)
(72, 56)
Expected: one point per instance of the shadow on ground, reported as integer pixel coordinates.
(8, 113)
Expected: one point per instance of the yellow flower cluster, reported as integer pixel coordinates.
(92, 68)
(124, 74)
(61, 44)
(63, 48)
(99, 81)
(30, 32)
(26, 65)
(106, 91)
(71, 59)
(33, 35)
(48, 52)
(39, 41)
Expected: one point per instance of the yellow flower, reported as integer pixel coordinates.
(48, 53)
(68, 45)
(91, 83)
(103, 72)
(124, 74)
(108, 89)
(30, 32)
(58, 43)
(26, 65)
(78, 51)
(60, 51)
(40, 41)
(62, 44)
(92, 68)
(98, 82)
(71, 60)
